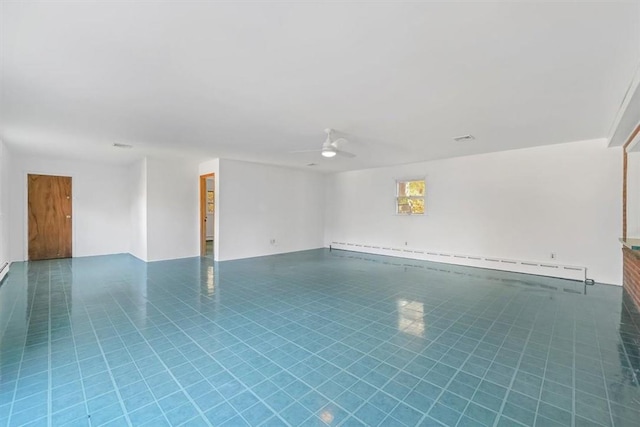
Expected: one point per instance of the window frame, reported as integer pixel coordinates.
(398, 196)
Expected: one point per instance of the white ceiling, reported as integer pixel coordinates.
(255, 80)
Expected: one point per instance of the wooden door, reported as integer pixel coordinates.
(49, 217)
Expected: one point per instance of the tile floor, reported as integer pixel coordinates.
(311, 338)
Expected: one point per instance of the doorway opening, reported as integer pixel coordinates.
(207, 214)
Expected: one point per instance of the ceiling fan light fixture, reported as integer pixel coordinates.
(329, 152)
(328, 148)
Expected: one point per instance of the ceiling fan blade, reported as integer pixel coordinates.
(304, 151)
(345, 154)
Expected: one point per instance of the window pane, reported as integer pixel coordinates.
(417, 205)
(402, 188)
(410, 205)
(410, 197)
(415, 188)
(403, 205)
(404, 209)
(411, 188)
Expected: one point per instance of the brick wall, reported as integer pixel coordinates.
(631, 274)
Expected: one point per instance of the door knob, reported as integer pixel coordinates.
(68, 216)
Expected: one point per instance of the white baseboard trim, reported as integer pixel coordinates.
(529, 267)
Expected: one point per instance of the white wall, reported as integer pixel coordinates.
(173, 218)
(4, 204)
(520, 204)
(256, 203)
(138, 208)
(101, 217)
(12, 307)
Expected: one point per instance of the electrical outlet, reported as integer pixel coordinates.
(272, 241)
(553, 255)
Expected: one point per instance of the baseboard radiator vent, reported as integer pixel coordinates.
(528, 267)
(4, 269)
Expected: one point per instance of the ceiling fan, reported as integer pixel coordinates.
(330, 147)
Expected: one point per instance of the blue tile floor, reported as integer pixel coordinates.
(311, 338)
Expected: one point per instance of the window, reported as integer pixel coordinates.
(410, 197)
(210, 202)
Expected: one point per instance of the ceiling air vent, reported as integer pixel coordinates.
(464, 138)
(118, 145)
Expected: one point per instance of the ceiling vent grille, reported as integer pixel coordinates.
(118, 145)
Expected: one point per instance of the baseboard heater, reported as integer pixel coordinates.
(528, 267)
(3, 271)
